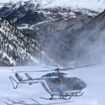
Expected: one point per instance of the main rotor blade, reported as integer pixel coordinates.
(60, 69)
(34, 71)
(72, 68)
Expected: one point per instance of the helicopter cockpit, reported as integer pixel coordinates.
(64, 83)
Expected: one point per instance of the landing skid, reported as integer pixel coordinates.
(77, 94)
(60, 98)
(64, 97)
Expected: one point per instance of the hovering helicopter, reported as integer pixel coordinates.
(56, 83)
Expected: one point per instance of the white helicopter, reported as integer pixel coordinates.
(55, 83)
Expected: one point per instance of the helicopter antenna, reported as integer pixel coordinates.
(57, 70)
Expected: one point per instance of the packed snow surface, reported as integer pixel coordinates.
(93, 76)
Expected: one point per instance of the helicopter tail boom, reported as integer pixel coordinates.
(20, 80)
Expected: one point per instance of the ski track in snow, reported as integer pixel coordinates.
(94, 94)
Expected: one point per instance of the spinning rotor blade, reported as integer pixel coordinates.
(72, 68)
(34, 71)
(60, 69)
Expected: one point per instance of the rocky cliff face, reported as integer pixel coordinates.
(15, 48)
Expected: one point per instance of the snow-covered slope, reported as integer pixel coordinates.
(88, 4)
(14, 46)
(94, 77)
(13, 1)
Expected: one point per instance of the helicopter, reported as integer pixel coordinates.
(56, 83)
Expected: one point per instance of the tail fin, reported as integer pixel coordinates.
(14, 82)
(28, 76)
(18, 77)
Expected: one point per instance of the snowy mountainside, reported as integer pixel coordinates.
(77, 41)
(15, 48)
(50, 25)
(93, 4)
(31, 13)
(87, 4)
(39, 23)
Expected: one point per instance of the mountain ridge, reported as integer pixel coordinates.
(96, 5)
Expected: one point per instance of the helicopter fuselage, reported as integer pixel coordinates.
(66, 86)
